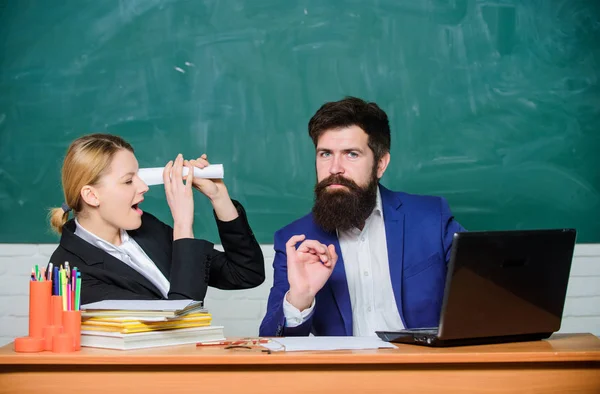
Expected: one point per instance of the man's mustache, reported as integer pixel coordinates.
(337, 180)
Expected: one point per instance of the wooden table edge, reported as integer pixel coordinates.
(584, 348)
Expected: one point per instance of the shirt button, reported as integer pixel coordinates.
(369, 309)
(366, 273)
(362, 239)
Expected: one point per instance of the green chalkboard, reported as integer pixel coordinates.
(493, 104)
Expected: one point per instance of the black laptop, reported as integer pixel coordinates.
(501, 286)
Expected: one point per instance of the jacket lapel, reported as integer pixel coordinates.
(394, 234)
(338, 282)
(157, 252)
(92, 255)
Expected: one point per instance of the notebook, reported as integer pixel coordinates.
(120, 341)
(501, 286)
(127, 324)
(143, 308)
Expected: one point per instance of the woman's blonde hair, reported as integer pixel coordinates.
(87, 159)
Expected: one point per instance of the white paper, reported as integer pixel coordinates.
(138, 305)
(294, 344)
(154, 176)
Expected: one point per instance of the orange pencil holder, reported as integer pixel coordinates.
(56, 310)
(39, 317)
(39, 307)
(49, 333)
(72, 327)
(62, 343)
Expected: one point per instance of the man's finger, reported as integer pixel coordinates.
(290, 246)
(333, 256)
(311, 244)
(312, 258)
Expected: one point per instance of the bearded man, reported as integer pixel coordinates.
(366, 258)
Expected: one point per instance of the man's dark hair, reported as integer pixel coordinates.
(352, 111)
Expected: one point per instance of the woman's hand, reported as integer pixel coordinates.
(180, 197)
(211, 188)
(215, 190)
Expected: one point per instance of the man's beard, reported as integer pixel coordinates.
(343, 209)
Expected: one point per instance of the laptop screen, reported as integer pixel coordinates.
(506, 283)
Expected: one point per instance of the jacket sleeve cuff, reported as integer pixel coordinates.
(190, 268)
(237, 225)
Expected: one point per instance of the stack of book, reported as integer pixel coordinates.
(136, 324)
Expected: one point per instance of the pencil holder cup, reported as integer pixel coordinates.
(72, 326)
(29, 345)
(62, 343)
(56, 310)
(39, 307)
(49, 333)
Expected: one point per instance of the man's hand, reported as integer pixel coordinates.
(309, 267)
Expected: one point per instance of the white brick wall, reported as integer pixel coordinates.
(241, 311)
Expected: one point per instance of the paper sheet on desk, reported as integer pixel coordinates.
(294, 344)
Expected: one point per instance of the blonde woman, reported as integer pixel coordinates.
(126, 253)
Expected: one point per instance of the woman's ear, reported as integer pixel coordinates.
(90, 196)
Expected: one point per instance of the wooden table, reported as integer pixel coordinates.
(565, 363)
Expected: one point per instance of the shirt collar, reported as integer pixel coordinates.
(378, 204)
(97, 241)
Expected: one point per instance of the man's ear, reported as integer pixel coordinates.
(382, 164)
(90, 196)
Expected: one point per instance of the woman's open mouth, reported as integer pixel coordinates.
(136, 208)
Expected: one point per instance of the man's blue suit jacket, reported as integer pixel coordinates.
(419, 232)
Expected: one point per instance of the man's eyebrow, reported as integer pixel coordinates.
(353, 150)
(347, 150)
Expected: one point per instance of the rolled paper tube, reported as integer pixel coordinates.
(154, 176)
